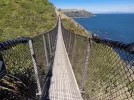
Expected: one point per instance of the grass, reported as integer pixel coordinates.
(108, 76)
(74, 27)
(106, 71)
(25, 18)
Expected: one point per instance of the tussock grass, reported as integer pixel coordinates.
(25, 18)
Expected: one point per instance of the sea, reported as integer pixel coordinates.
(119, 27)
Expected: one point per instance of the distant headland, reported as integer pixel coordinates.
(77, 13)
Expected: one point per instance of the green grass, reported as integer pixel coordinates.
(74, 27)
(25, 18)
(107, 74)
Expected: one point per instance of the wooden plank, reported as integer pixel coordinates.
(63, 83)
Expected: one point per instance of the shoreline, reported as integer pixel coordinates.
(63, 16)
(84, 17)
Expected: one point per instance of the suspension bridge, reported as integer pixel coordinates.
(61, 65)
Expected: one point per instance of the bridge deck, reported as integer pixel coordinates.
(63, 83)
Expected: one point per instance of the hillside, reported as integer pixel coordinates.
(99, 62)
(25, 18)
(72, 25)
(77, 13)
(22, 18)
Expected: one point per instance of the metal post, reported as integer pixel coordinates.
(69, 43)
(67, 40)
(50, 50)
(2, 67)
(35, 68)
(53, 40)
(66, 32)
(74, 49)
(45, 48)
(84, 72)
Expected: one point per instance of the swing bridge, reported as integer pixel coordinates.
(61, 65)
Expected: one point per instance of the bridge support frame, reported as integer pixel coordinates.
(49, 41)
(69, 43)
(84, 72)
(45, 49)
(35, 68)
(74, 48)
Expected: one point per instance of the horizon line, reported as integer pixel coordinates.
(113, 12)
(99, 11)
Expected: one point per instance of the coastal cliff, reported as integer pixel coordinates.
(77, 13)
(72, 25)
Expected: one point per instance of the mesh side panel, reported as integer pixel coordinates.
(48, 46)
(19, 64)
(110, 74)
(38, 45)
(79, 57)
(71, 48)
(21, 83)
(110, 71)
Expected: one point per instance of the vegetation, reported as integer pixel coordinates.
(77, 13)
(18, 63)
(22, 18)
(107, 75)
(25, 18)
(29, 18)
(73, 26)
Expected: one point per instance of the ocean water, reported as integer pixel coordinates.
(118, 27)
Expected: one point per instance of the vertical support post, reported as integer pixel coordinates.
(35, 68)
(84, 72)
(74, 49)
(55, 38)
(67, 40)
(49, 43)
(2, 67)
(45, 48)
(52, 40)
(69, 43)
(66, 37)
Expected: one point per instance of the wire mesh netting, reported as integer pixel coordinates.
(21, 81)
(79, 57)
(109, 73)
(44, 47)
(104, 69)
(38, 46)
(20, 77)
(76, 46)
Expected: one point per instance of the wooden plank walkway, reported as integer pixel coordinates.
(63, 83)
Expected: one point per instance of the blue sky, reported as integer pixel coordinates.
(97, 6)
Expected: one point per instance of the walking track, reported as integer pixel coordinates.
(63, 83)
